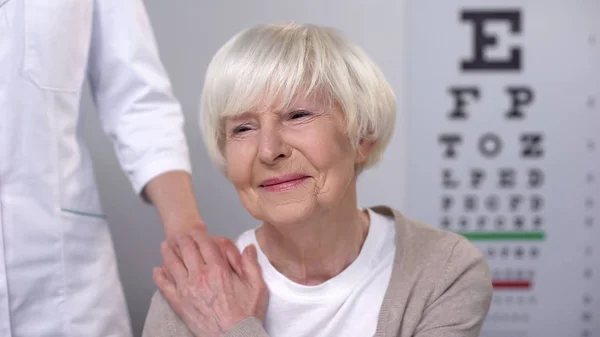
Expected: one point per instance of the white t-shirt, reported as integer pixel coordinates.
(346, 305)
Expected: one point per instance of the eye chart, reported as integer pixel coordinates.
(503, 147)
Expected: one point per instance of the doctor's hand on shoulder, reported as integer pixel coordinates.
(211, 294)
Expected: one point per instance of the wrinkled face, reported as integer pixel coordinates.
(289, 166)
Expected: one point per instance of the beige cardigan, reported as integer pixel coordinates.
(440, 287)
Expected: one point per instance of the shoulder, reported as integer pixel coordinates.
(162, 321)
(435, 258)
(425, 242)
(247, 237)
(440, 282)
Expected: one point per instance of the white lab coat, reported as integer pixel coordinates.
(58, 274)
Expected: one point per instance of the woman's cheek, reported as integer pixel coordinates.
(239, 163)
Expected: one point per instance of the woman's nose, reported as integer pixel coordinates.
(272, 147)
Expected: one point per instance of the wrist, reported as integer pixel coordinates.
(183, 226)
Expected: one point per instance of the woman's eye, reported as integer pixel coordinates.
(240, 129)
(299, 114)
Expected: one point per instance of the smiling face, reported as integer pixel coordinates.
(291, 165)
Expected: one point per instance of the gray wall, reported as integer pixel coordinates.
(188, 33)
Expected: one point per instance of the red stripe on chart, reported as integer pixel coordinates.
(498, 284)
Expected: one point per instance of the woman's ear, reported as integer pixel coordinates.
(365, 147)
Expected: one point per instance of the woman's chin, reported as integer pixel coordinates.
(283, 215)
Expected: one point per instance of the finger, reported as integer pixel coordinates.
(230, 250)
(171, 295)
(165, 286)
(172, 241)
(190, 255)
(252, 268)
(173, 264)
(209, 250)
(163, 269)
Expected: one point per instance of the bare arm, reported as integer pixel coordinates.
(172, 195)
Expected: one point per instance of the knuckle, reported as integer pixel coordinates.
(198, 234)
(218, 272)
(202, 281)
(219, 239)
(184, 292)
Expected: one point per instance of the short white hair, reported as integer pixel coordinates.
(279, 62)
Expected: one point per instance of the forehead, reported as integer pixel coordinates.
(268, 104)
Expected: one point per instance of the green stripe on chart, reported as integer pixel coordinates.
(504, 236)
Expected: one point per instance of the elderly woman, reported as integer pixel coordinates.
(292, 114)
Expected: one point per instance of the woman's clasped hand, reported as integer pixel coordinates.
(210, 285)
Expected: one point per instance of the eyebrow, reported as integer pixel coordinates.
(295, 105)
(252, 113)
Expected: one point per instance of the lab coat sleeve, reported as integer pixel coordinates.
(133, 94)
